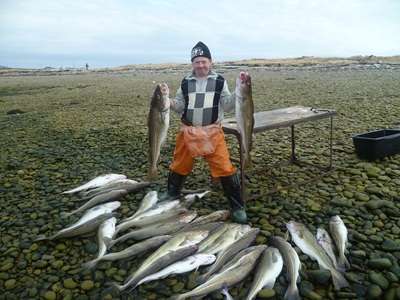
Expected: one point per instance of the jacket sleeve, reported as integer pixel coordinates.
(227, 99)
(178, 103)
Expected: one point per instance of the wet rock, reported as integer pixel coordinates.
(50, 295)
(390, 245)
(374, 292)
(70, 284)
(177, 288)
(87, 285)
(380, 263)
(378, 279)
(319, 276)
(91, 248)
(10, 284)
(266, 293)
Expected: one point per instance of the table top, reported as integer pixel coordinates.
(278, 118)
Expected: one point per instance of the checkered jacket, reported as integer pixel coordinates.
(202, 102)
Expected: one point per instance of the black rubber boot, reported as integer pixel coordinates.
(231, 186)
(174, 186)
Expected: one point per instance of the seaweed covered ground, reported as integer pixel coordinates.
(59, 131)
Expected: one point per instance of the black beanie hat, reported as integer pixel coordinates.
(200, 49)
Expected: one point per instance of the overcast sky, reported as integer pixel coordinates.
(39, 33)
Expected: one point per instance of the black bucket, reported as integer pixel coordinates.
(377, 144)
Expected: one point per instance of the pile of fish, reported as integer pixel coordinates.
(178, 241)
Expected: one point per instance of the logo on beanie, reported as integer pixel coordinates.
(197, 52)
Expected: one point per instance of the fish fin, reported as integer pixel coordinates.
(338, 280)
(292, 293)
(226, 293)
(90, 264)
(41, 237)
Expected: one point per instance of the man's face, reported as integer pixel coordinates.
(201, 66)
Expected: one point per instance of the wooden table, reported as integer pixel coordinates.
(280, 118)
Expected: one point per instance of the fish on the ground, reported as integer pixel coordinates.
(157, 229)
(213, 237)
(228, 276)
(216, 216)
(104, 236)
(210, 227)
(325, 241)
(244, 111)
(339, 234)
(188, 264)
(149, 201)
(158, 213)
(305, 240)
(268, 269)
(87, 223)
(293, 265)
(225, 255)
(96, 182)
(225, 240)
(157, 123)
(109, 196)
(177, 248)
(134, 250)
(189, 199)
(119, 184)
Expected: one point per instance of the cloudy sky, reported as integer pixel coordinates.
(39, 33)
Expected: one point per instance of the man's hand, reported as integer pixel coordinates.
(164, 89)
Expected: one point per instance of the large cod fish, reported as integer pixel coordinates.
(158, 123)
(244, 111)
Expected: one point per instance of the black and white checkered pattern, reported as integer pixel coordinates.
(202, 99)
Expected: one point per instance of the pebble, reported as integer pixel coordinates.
(266, 293)
(390, 245)
(87, 285)
(10, 284)
(50, 295)
(70, 284)
(374, 291)
(380, 263)
(378, 279)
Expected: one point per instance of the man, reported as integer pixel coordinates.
(201, 100)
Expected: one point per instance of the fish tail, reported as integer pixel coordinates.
(90, 264)
(116, 286)
(343, 263)
(338, 280)
(41, 237)
(292, 293)
(177, 297)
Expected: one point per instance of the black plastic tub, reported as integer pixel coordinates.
(377, 144)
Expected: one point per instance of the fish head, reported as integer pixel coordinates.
(243, 83)
(336, 219)
(150, 195)
(207, 259)
(160, 96)
(275, 254)
(224, 214)
(197, 236)
(112, 205)
(296, 228)
(322, 234)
